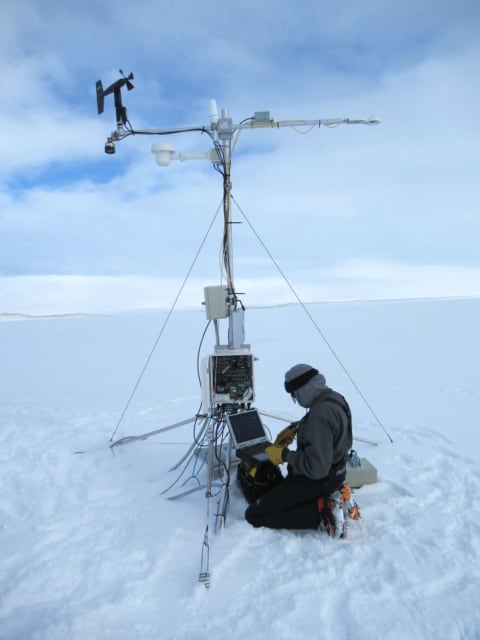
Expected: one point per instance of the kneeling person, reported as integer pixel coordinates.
(318, 466)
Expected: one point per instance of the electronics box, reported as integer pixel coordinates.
(231, 377)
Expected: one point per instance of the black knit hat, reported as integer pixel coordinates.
(302, 378)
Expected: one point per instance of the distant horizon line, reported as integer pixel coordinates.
(13, 315)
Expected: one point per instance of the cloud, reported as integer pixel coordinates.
(356, 280)
(405, 193)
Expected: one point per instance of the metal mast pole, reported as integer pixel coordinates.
(227, 191)
(224, 130)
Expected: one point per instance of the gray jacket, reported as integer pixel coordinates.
(323, 436)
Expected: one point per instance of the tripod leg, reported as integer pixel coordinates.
(204, 575)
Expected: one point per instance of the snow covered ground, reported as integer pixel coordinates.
(90, 549)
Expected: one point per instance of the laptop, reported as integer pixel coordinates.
(248, 435)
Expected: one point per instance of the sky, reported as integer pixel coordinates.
(355, 212)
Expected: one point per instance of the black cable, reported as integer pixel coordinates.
(195, 472)
(219, 149)
(220, 436)
(177, 479)
(195, 437)
(146, 132)
(198, 352)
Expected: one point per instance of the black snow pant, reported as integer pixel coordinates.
(293, 503)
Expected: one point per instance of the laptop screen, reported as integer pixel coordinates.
(246, 426)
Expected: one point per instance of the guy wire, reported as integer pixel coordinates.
(324, 338)
(150, 355)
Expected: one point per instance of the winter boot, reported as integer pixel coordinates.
(349, 504)
(331, 515)
(336, 511)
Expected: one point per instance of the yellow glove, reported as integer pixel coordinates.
(274, 452)
(287, 435)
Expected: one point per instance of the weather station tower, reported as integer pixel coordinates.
(227, 374)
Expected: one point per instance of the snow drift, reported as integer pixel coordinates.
(89, 548)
